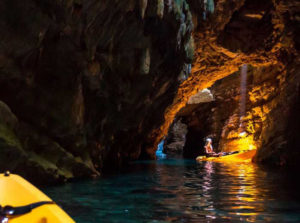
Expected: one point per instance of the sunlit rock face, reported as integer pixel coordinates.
(262, 127)
(280, 136)
(201, 97)
(264, 35)
(94, 79)
(89, 80)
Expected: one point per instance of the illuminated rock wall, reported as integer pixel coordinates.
(262, 34)
(270, 124)
(99, 79)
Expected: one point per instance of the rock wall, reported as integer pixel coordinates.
(264, 35)
(34, 155)
(279, 143)
(87, 81)
(272, 98)
(93, 80)
(175, 139)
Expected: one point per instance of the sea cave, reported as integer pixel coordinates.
(149, 111)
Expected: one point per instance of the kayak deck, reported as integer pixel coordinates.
(243, 156)
(16, 191)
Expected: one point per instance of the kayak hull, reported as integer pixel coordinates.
(16, 191)
(243, 156)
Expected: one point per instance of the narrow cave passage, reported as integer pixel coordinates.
(194, 145)
(187, 135)
(252, 35)
(225, 114)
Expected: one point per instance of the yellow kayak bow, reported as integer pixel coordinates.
(21, 202)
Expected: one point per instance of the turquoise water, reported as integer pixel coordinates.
(183, 191)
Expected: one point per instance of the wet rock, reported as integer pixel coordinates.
(270, 123)
(11, 151)
(90, 79)
(35, 156)
(175, 140)
(260, 34)
(7, 118)
(280, 136)
(99, 79)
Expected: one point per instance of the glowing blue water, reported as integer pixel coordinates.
(182, 191)
(159, 152)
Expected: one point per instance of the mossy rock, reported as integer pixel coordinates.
(51, 156)
(7, 118)
(11, 152)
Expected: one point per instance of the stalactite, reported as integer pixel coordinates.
(208, 8)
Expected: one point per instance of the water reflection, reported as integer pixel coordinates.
(183, 191)
(212, 191)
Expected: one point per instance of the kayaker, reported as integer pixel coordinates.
(208, 146)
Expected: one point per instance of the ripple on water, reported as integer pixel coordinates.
(182, 191)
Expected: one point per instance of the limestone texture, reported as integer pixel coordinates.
(265, 36)
(87, 86)
(87, 81)
(272, 97)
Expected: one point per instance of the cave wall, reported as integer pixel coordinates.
(86, 81)
(280, 144)
(176, 138)
(97, 80)
(269, 124)
(264, 35)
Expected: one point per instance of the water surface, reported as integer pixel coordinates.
(183, 191)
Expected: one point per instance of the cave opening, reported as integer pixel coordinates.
(194, 145)
(192, 125)
(222, 113)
